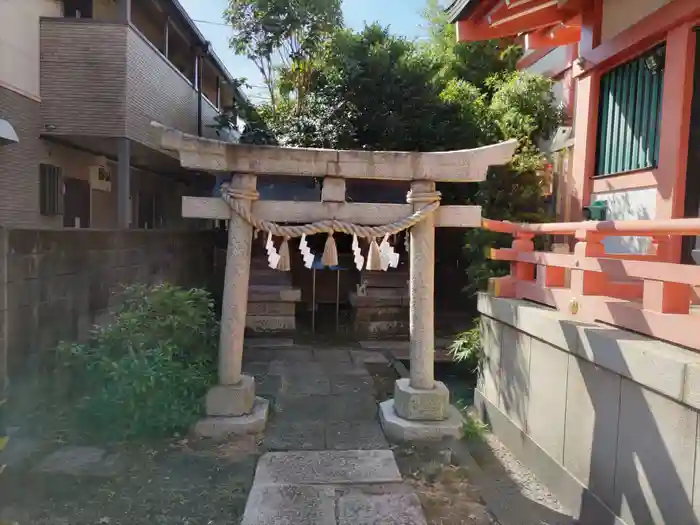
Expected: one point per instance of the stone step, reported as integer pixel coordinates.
(270, 323)
(330, 488)
(268, 342)
(326, 505)
(390, 279)
(380, 299)
(271, 278)
(335, 467)
(271, 293)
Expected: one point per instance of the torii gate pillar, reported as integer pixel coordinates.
(421, 407)
(232, 407)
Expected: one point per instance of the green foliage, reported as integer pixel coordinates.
(522, 107)
(467, 349)
(473, 62)
(370, 89)
(144, 374)
(523, 104)
(283, 33)
(472, 428)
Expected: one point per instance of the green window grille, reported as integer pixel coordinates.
(630, 115)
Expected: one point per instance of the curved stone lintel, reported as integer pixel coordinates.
(469, 165)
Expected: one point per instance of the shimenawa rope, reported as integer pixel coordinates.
(233, 198)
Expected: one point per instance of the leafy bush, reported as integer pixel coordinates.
(467, 349)
(144, 374)
(472, 428)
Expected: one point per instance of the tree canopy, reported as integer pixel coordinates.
(370, 89)
(281, 35)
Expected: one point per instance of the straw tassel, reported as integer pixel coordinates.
(374, 257)
(283, 264)
(330, 252)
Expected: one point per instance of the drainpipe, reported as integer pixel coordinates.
(167, 38)
(198, 65)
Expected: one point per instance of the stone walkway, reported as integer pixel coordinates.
(331, 464)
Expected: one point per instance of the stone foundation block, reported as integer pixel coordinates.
(399, 429)
(270, 323)
(421, 405)
(272, 308)
(221, 427)
(231, 400)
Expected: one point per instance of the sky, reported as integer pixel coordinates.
(403, 16)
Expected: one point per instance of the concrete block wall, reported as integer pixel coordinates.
(606, 418)
(58, 283)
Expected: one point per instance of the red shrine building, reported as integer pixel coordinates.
(626, 71)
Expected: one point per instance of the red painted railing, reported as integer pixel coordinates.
(642, 292)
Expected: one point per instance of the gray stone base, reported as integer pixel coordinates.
(231, 400)
(421, 405)
(399, 429)
(221, 427)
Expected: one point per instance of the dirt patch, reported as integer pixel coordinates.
(446, 493)
(384, 377)
(179, 482)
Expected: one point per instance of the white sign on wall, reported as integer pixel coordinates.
(100, 178)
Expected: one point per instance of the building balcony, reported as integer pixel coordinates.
(103, 80)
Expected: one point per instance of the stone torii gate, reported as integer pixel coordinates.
(420, 408)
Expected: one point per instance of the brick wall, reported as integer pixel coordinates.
(58, 283)
(3, 312)
(156, 91)
(83, 77)
(106, 79)
(19, 164)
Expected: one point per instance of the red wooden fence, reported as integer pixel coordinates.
(643, 293)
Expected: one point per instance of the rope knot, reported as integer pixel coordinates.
(241, 194)
(413, 197)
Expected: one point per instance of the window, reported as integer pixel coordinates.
(50, 190)
(630, 115)
(77, 8)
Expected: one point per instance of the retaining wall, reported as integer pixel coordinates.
(606, 418)
(55, 284)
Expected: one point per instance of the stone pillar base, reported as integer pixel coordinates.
(231, 400)
(421, 405)
(397, 428)
(233, 410)
(221, 427)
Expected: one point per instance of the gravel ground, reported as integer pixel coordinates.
(448, 493)
(511, 491)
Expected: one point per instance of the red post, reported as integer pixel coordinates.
(586, 282)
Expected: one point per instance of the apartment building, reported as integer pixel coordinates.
(80, 83)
